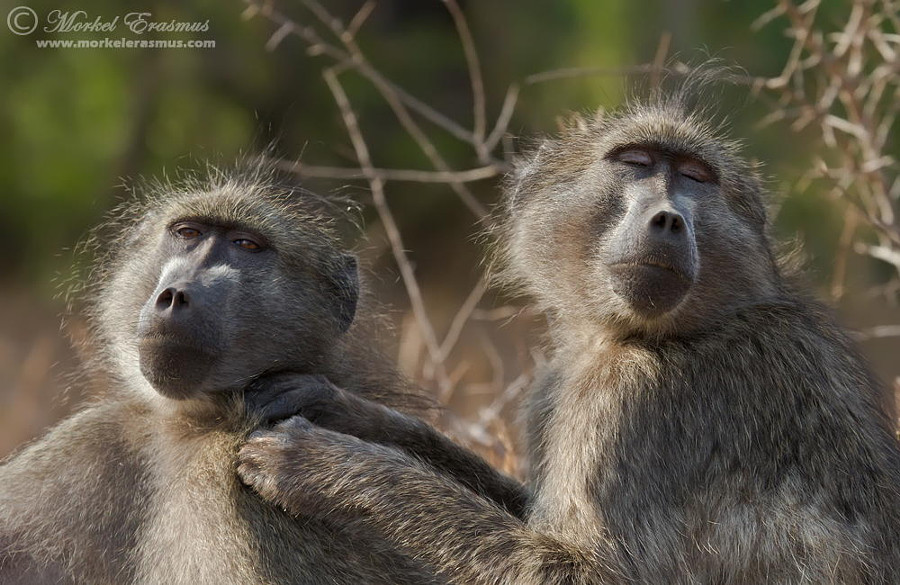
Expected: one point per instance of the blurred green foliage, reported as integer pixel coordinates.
(77, 123)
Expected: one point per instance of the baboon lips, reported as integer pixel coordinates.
(174, 368)
(651, 288)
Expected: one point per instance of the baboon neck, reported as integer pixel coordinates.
(743, 346)
(212, 412)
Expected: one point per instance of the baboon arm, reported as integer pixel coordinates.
(423, 441)
(318, 400)
(71, 503)
(310, 470)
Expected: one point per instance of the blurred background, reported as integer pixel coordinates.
(475, 81)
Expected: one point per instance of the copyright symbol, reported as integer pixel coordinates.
(22, 20)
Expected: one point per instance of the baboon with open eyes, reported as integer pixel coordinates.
(701, 420)
(206, 288)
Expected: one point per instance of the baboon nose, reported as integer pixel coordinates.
(172, 298)
(666, 222)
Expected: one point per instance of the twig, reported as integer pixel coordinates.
(504, 313)
(494, 358)
(474, 68)
(360, 17)
(512, 391)
(575, 72)
(851, 221)
(506, 112)
(878, 332)
(319, 46)
(844, 83)
(390, 226)
(462, 317)
(659, 60)
(411, 175)
(399, 108)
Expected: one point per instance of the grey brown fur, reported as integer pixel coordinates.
(723, 433)
(320, 401)
(140, 486)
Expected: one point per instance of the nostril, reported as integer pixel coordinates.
(659, 220)
(180, 299)
(171, 298)
(667, 221)
(164, 300)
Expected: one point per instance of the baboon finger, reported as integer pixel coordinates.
(294, 424)
(279, 399)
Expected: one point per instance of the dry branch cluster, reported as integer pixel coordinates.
(845, 86)
(844, 83)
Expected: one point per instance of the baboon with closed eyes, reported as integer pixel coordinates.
(207, 287)
(701, 420)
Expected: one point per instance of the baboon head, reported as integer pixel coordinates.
(217, 284)
(644, 221)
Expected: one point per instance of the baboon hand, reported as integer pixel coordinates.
(305, 469)
(268, 459)
(280, 396)
(315, 398)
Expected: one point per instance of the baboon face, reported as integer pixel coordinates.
(650, 254)
(642, 222)
(223, 288)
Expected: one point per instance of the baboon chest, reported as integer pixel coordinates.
(609, 466)
(205, 527)
(574, 449)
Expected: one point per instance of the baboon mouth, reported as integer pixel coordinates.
(175, 368)
(175, 345)
(652, 264)
(651, 288)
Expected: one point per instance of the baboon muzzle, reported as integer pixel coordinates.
(653, 258)
(180, 336)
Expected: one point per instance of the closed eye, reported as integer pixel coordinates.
(695, 172)
(635, 157)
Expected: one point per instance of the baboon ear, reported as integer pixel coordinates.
(345, 281)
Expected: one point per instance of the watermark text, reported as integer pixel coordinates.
(147, 32)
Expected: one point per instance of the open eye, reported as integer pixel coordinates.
(247, 244)
(695, 172)
(187, 232)
(635, 157)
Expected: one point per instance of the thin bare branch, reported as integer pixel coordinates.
(390, 226)
(878, 332)
(513, 391)
(577, 72)
(409, 175)
(883, 253)
(399, 108)
(845, 243)
(473, 65)
(504, 313)
(503, 119)
(462, 317)
(315, 41)
(659, 60)
(360, 18)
